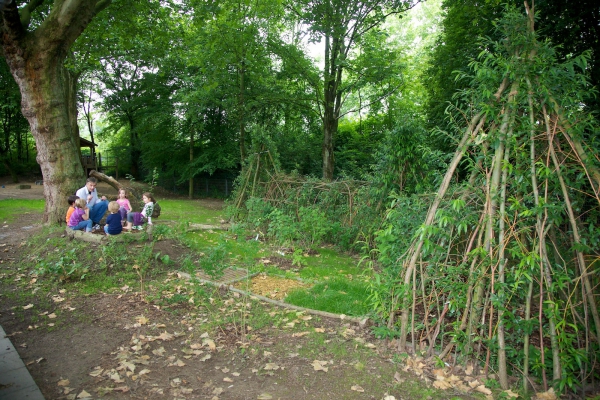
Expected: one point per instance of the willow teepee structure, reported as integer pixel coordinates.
(504, 258)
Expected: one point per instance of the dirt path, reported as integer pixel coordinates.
(10, 190)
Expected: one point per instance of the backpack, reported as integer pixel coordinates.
(156, 211)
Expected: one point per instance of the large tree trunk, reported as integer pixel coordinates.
(48, 103)
(48, 98)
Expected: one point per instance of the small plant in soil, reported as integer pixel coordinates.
(65, 268)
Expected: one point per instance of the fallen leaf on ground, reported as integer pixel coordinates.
(510, 393)
(27, 307)
(483, 389)
(210, 343)
(166, 336)
(127, 365)
(115, 377)
(177, 363)
(264, 396)
(549, 395)
(469, 369)
(442, 384)
(357, 388)
(83, 395)
(320, 365)
(226, 379)
(63, 382)
(159, 352)
(142, 320)
(272, 366)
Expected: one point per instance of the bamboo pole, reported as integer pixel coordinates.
(466, 140)
(575, 230)
(502, 370)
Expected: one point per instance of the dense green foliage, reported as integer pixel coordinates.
(17, 152)
(191, 91)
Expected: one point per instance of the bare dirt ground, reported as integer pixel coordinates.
(121, 346)
(10, 190)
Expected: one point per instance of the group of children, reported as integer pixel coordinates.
(120, 218)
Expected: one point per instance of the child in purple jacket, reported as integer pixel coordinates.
(80, 219)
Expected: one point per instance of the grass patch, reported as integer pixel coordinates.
(337, 295)
(12, 208)
(337, 289)
(188, 211)
(328, 264)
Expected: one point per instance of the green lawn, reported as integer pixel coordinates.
(12, 208)
(188, 211)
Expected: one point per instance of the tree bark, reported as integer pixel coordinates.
(48, 101)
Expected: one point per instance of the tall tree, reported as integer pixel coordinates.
(234, 58)
(134, 73)
(35, 54)
(573, 26)
(342, 25)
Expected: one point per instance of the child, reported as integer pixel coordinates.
(80, 218)
(136, 219)
(71, 201)
(124, 205)
(113, 221)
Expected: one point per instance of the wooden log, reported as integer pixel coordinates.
(85, 236)
(99, 239)
(131, 192)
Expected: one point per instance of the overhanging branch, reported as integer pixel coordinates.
(27, 10)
